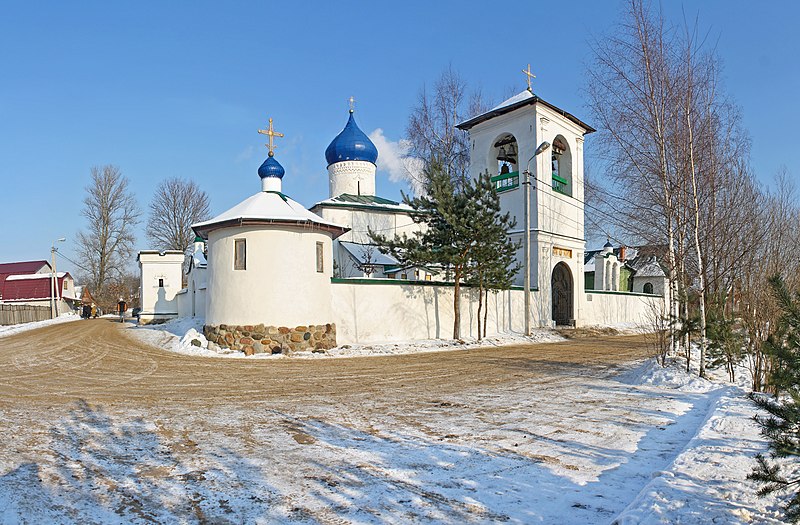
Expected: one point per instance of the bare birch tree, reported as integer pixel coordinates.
(106, 246)
(431, 129)
(631, 89)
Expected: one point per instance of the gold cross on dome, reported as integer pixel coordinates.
(271, 133)
(352, 101)
(529, 76)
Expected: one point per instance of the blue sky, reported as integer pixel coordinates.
(165, 89)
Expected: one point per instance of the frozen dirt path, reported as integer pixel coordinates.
(99, 428)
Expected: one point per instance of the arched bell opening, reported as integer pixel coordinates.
(503, 162)
(561, 164)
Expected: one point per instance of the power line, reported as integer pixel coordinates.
(73, 262)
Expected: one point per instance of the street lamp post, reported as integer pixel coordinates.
(527, 183)
(54, 280)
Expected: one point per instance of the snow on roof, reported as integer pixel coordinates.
(517, 101)
(519, 97)
(364, 201)
(649, 268)
(30, 287)
(25, 277)
(362, 252)
(267, 206)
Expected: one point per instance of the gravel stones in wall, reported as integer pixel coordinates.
(260, 339)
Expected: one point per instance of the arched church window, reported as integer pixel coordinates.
(561, 166)
(505, 155)
(648, 288)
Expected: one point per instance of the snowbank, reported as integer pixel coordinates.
(185, 336)
(12, 329)
(706, 481)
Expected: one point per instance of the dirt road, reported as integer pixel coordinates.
(94, 360)
(99, 428)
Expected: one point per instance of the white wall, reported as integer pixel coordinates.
(361, 220)
(619, 307)
(159, 302)
(368, 313)
(660, 284)
(401, 312)
(280, 285)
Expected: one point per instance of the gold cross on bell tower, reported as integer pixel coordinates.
(529, 76)
(352, 101)
(271, 133)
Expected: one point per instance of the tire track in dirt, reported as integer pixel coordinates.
(96, 360)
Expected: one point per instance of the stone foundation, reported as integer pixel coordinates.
(260, 339)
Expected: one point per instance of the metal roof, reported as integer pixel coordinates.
(526, 98)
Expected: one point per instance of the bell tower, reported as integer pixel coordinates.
(526, 138)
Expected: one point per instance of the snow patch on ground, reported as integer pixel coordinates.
(185, 336)
(672, 376)
(12, 329)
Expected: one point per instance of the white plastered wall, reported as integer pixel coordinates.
(368, 313)
(280, 285)
(620, 308)
(160, 302)
(418, 312)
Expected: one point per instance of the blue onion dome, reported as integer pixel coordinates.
(351, 144)
(608, 244)
(271, 168)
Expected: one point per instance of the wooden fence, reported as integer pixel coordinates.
(18, 313)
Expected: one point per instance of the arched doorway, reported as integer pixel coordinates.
(562, 288)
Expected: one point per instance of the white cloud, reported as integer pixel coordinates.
(393, 159)
(245, 155)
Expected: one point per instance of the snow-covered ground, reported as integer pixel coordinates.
(567, 445)
(12, 329)
(649, 446)
(178, 336)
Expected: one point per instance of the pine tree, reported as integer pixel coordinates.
(725, 343)
(493, 259)
(782, 427)
(447, 240)
(465, 234)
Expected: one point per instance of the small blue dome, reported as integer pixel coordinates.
(271, 168)
(351, 144)
(608, 245)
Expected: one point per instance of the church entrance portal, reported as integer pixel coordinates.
(561, 285)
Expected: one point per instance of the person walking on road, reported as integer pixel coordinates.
(121, 307)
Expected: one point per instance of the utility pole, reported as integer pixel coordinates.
(54, 292)
(527, 183)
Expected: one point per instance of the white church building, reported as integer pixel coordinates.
(269, 275)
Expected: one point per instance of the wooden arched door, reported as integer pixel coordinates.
(563, 292)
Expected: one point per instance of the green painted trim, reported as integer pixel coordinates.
(504, 176)
(340, 280)
(559, 179)
(279, 194)
(364, 199)
(610, 292)
(368, 207)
